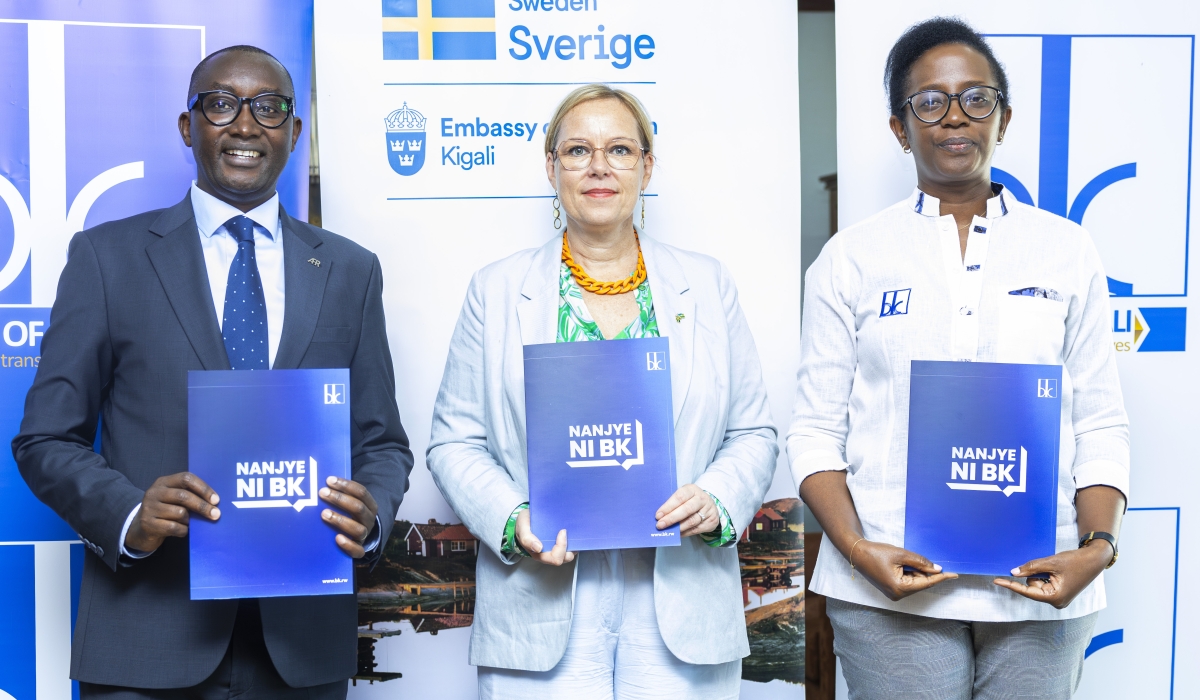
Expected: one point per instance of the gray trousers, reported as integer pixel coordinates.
(887, 654)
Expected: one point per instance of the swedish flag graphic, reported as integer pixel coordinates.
(453, 30)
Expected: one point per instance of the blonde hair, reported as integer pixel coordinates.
(599, 91)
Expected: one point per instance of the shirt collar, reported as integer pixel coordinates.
(928, 205)
(212, 213)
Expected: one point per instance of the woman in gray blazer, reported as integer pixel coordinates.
(634, 623)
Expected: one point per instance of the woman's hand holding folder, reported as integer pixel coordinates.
(1058, 579)
(558, 554)
(896, 572)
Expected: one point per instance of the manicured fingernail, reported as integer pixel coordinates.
(214, 513)
(937, 568)
(214, 499)
(1014, 571)
(325, 493)
(331, 480)
(327, 514)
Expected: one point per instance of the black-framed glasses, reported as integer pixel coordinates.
(931, 106)
(221, 107)
(577, 154)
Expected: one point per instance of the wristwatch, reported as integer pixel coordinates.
(1083, 541)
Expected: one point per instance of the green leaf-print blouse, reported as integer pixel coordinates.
(575, 323)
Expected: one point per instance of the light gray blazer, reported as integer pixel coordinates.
(725, 442)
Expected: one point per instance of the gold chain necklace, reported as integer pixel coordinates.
(585, 281)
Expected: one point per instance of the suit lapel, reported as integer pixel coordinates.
(675, 312)
(178, 261)
(304, 283)
(537, 312)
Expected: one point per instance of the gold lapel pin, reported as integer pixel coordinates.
(679, 318)
(314, 262)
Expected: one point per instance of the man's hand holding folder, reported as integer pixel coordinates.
(169, 502)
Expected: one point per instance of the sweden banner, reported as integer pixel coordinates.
(441, 30)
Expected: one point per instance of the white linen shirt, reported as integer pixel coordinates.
(852, 397)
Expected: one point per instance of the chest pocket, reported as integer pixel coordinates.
(332, 334)
(1032, 329)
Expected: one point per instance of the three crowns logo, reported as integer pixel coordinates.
(405, 140)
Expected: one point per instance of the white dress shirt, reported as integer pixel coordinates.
(852, 397)
(220, 247)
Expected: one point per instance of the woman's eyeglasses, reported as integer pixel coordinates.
(621, 154)
(931, 106)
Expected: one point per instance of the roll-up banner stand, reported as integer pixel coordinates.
(1103, 97)
(92, 91)
(432, 119)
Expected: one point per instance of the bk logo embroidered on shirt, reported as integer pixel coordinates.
(895, 303)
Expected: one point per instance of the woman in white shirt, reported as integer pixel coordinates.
(973, 275)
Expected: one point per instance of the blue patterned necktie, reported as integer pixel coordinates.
(245, 322)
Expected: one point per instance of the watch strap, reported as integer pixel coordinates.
(1096, 535)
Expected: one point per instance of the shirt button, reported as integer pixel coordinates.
(965, 311)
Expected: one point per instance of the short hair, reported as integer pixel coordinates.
(599, 91)
(919, 39)
(240, 48)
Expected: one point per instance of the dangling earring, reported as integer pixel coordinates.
(557, 213)
(999, 140)
(907, 148)
(643, 211)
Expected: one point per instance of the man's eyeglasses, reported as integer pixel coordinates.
(621, 154)
(222, 108)
(931, 106)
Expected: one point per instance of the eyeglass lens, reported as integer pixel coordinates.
(222, 108)
(577, 155)
(977, 103)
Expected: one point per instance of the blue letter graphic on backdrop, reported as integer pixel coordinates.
(87, 135)
(1055, 149)
(19, 640)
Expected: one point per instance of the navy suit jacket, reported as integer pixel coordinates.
(133, 314)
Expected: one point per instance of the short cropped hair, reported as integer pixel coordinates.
(917, 40)
(240, 48)
(598, 91)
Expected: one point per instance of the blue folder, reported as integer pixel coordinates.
(601, 442)
(266, 441)
(983, 441)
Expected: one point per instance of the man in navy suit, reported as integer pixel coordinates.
(223, 280)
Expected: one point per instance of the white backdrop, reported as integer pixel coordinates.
(721, 87)
(1120, 164)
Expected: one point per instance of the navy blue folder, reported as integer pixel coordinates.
(266, 441)
(983, 442)
(601, 442)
